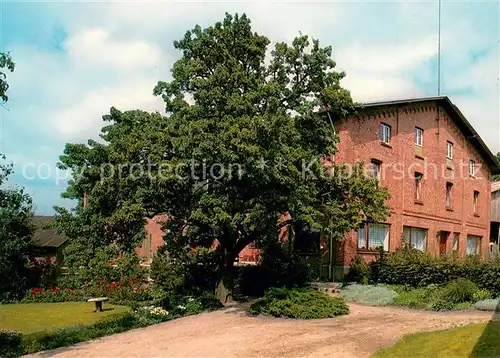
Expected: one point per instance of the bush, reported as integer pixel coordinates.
(359, 272)
(189, 273)
(296, 303)
(458, 291)
(369, 295)
(10, 343)
(278, 268)
(442, 305)
(481, 295)
(416, 297)
(408, 266)
(488, 305)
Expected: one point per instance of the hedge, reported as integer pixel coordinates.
(408, 266)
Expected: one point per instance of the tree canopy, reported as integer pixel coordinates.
(242, 152)
(16, 231)
(6, 63)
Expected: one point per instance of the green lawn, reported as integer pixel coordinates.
(36, 317)
(477, 340)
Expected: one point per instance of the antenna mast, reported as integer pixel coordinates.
(439, 51)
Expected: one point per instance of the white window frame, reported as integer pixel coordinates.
(363, 236)
(449, 150)
(412, 231)
(419, 136)
(385, 133)
(472, 167)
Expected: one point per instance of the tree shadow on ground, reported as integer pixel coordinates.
(488, 345)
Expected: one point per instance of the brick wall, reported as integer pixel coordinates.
(359, 140)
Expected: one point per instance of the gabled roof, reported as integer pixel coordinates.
(459, 119)
(45, 235)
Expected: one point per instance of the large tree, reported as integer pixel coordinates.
(242, 152)
(16, 231)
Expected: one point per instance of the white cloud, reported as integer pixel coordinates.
(95, 47)
(115, 53)
(84, 118)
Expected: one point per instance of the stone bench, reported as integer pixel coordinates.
(98, 302)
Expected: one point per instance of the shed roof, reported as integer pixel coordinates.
(45, 235)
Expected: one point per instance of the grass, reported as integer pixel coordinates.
(477, 340)
(36, 317)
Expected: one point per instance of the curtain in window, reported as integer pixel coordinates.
(406, 234)
(362, 238)
(416, 237)
(472, 245)
(378, 236)
(419, 238)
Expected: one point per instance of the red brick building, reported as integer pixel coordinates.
(438, 172)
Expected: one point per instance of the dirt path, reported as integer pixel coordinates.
(231, 333)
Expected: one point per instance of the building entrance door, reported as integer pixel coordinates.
(443, 239)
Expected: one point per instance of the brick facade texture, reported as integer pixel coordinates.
(359, 140)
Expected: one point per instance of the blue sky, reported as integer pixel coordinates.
(76, 60)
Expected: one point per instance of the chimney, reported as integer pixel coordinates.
(85, 200)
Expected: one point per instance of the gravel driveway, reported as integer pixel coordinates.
(231, 333)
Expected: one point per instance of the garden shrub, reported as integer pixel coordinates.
(492, 305)
(481, 295)
(408, 266)
(299, 303)
(188, 273)
(359, 271)
(369, 295)
(278, 268)
(421, 297)
(10, 343)
(442, 305)
(458, 291)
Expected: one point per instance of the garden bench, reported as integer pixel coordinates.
(98, 302)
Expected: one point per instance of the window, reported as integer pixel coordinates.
(449, 150)
(476, 200)
(456, 238)
(417, 237)
(375, 166)
(419, 136)
(373, 236)
(472, 167)
(473, 245)
(385, 133)
(418, 186)
(449, 186)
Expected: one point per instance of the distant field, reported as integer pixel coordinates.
(36, 317)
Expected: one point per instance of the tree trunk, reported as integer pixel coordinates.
(224, 287)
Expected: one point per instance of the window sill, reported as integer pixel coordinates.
(449, 167)
(472, 176)
(449, 209)
(419, 202)
(476, 215)
(385, 144)
(369, 251)
(418, 156)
